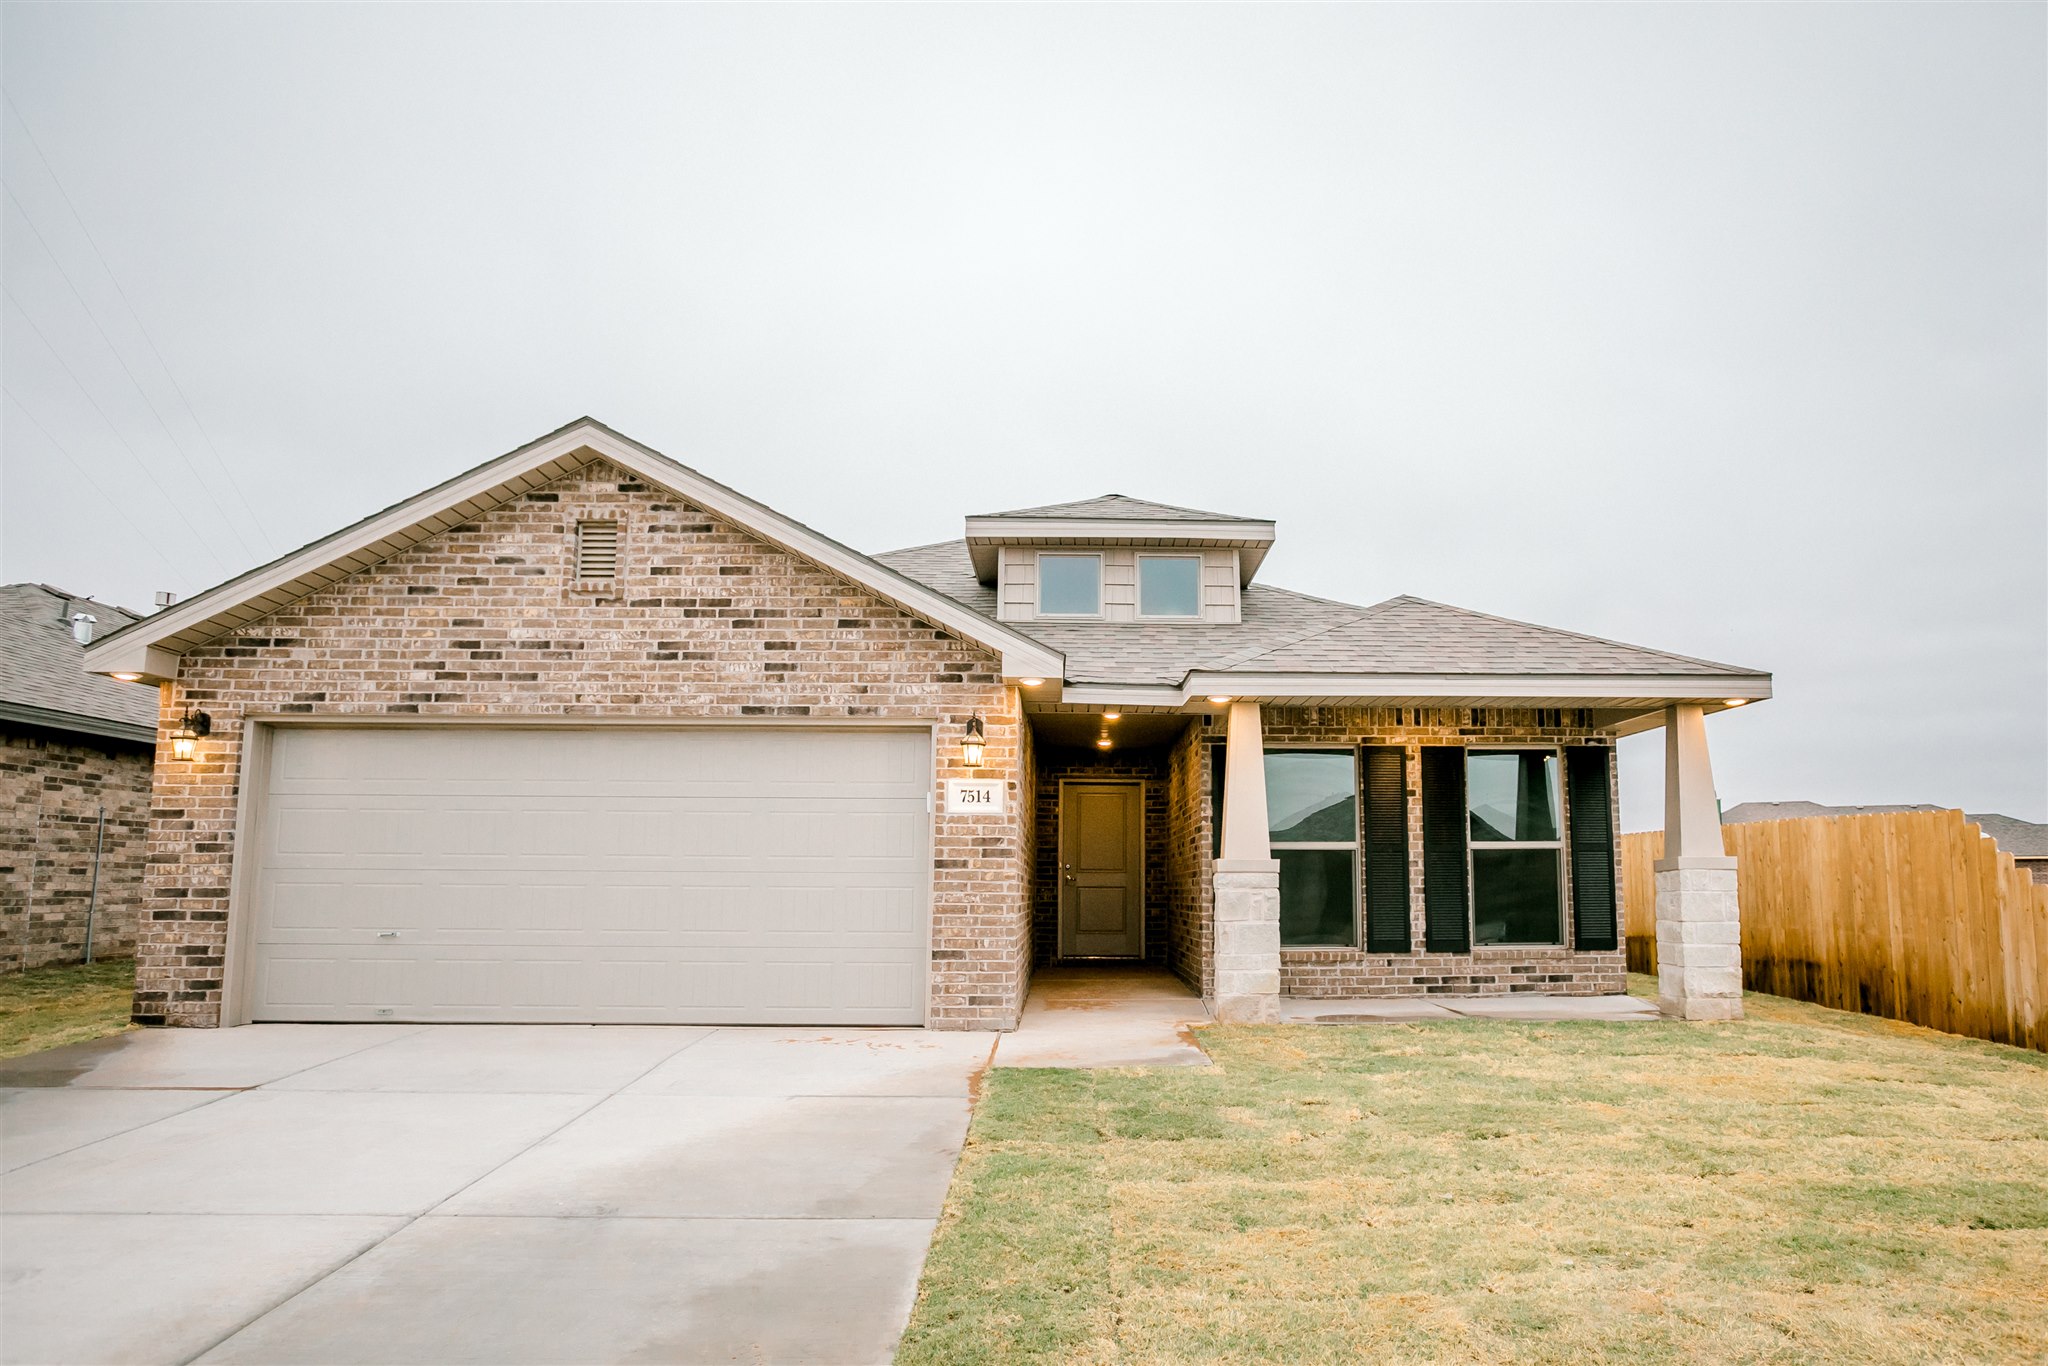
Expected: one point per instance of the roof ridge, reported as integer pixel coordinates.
(1574, 635)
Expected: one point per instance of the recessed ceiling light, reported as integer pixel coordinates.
(1219, 701)
(1031, 682)
(1737, 701)
(1112, 716)
(1102, 740)
(129, 678)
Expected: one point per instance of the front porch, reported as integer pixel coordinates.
(1265, 853)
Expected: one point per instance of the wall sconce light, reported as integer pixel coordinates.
(185, 737)
(970, 748)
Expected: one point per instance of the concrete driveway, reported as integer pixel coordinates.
(459, 1193)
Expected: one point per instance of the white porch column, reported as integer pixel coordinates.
(1699, 936)
(1246, 887)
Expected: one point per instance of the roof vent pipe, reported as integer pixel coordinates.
(81, 627)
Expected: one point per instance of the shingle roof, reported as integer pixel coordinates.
(1115, 507)
(2021, 839)
(1287, 632)
(41, 677)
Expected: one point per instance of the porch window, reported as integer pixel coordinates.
(1070, 585)
(1169, 586)
(1512, 804)
(1312, 825)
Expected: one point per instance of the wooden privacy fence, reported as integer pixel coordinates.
(1912, 915)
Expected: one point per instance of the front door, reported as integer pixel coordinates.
(1102, 870)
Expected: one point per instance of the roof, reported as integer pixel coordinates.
(1285, 632)
(2021, 839)
(1117, 507)
(151, 648)
(43, 680)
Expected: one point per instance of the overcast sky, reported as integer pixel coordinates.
(1716, 329)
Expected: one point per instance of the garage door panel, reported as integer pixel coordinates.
(701, 875)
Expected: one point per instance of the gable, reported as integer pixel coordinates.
(150, 649)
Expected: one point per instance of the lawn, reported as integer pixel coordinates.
(46, 1007)
(1805, 1185)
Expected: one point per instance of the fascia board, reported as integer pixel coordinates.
(1706, 690)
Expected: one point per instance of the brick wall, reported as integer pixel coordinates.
(1144, 765)
(53, 787)
(1484, 971)
(704, 622)
(1190, 927)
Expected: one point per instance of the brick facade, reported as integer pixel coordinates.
(1191, 931)
(54, 785)
(1146, 766)
(1338, 972)
(705, 622)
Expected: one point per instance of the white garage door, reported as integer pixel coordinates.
(707, 876)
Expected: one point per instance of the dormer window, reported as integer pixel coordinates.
(1070, 585)
(1169, 585)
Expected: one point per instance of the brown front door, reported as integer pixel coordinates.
(1102, 870)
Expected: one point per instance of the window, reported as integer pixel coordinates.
(1312, 824)
(1169, 586)
(1512, 805)
(597, 550)
(1070, 585)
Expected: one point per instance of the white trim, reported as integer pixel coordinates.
(1038, 588)
(1556, 846)
(1596, 690)
(1138, 572)
(151, 646)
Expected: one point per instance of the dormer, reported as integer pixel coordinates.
(1117, 559)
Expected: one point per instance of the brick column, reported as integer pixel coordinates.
(1246, 887)
(1699, 932)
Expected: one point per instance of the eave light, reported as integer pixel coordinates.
(185, 736)
(970, 747)
(1112, 716)
(1031, 682)
(1102, 741)
(1735, 701)
(1220, 701)
(128, 678)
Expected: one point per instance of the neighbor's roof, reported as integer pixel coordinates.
(43, 681)
(1284, 632)
(2021, 839)
(1116, 507)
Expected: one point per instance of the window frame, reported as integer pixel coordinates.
(1200, 613)
(1355, 846)
(1038, 584)
(1557, 846)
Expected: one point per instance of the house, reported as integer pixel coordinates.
(584, 735)
(75, 754)
(2026, 841)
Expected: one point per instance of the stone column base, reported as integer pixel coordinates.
(1246, 966)
(1699, 939)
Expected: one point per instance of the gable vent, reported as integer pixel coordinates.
(597, 550)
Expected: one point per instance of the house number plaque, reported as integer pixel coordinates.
(977, 796)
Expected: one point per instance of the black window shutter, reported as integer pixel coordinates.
(1589, 791)
(1386, 849)
(1446, 897)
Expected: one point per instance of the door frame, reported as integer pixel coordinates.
(259, 733)
(1060, 917)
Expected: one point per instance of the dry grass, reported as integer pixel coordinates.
(1802, 1186)
(50, 1006)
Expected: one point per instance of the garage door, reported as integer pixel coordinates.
(706, 876)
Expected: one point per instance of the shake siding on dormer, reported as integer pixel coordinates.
(1017, 581)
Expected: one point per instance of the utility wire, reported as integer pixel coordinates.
(169, 501)
(105, 497)
(115, 280)
(197, 477)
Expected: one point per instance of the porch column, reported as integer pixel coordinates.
(1246, 887)
(1699, 937)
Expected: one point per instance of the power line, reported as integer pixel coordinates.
(169, 501)
(197, 477)
(115, 280)
(86, 474)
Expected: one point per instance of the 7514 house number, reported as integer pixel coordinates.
(981, 796)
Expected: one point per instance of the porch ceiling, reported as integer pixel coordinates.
(1077, 727)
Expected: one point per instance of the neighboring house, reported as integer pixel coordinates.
(2024, 840)
(584, 735)
(75, 753)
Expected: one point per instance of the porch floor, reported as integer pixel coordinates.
(1105, 1015)
(1405, 1009)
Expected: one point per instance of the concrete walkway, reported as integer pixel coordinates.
(455, 1193)
(1403, 1010)
(1105, 1015)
